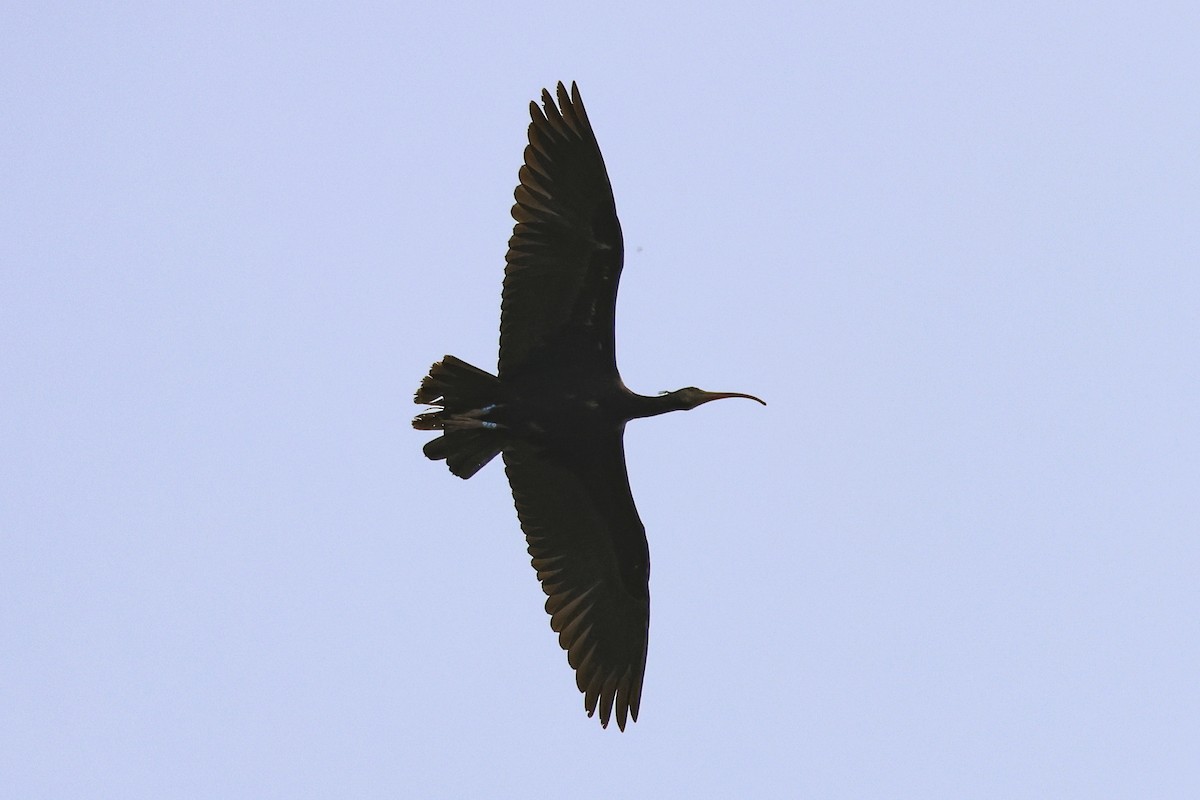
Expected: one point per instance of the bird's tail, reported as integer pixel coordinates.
(466, 395)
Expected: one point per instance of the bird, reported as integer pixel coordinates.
(556, 409)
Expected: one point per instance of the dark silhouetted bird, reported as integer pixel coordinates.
(557, 410)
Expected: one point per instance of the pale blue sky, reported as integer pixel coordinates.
(956, 249)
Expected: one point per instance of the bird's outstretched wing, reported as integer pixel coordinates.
(589, 548)
(565, 254)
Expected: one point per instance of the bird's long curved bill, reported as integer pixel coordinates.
(723, 395)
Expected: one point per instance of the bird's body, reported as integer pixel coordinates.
(558, 408)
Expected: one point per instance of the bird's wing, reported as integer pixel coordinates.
(589, 548)
(565, 254)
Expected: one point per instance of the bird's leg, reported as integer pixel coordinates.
(470, 419)
(479, 412)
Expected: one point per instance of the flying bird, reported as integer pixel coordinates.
(557, 409)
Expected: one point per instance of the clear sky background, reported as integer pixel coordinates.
(956, 249)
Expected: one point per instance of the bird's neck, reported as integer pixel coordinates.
(653, 405)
